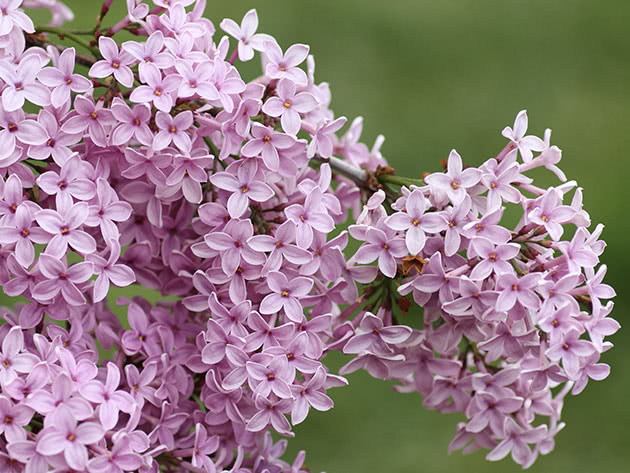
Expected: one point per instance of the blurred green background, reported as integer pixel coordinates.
(436, 75)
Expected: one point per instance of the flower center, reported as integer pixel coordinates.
(287, 104)
(285, 293)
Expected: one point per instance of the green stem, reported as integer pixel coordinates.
(399, 180)
(71, 36)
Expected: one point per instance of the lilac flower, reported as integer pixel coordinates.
(147, 162)
(23, 233)
(90, 116)
(13, 420)
(132, 124)
(12, 360)
(525, 144)
(141, 335)
(114, 62)
(149, 52)
(188, 175)
(16, 126)
(270, 412)
(25, 452)
(455, 181)
(107, 209)
(204, 445)
(245, 186)
(286, 295)
(64, 226)
(140, 384)
(415, 223)
(110, 400)
(323, 138)
(600, 326)
(280, 246)
(107, 270)
(63, 80)
(226, 84)
(197, 80)
(383, 245)
(266, 143)
(488, 410)
(513, 289)
(559, 322)
(487, 227)
(590, 368)
(570, 349)
(61, 278)
(373, 336)
(11, 16)
(21, 85)
(158, 90)
(577, 252)
(61, 399)
(499, 184)
(493, 258)
(281, 65)
(121, 458)
(288, 105)
(516, 440)
(275, 377)
(70, 439)
(266, 335)
(217, 341)
(58, 142)
(173, 130)
(310, 395)
(248, 40)
(21, 388)
(69, 183)
(168, 424)
(233, 241)
(551, 215)
(309, 217)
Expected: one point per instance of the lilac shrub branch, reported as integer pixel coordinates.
(163, 167)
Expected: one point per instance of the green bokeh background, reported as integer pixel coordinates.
(436, 75)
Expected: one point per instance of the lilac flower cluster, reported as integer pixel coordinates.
(154, 162)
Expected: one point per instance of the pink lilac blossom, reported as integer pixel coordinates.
(228, 198)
